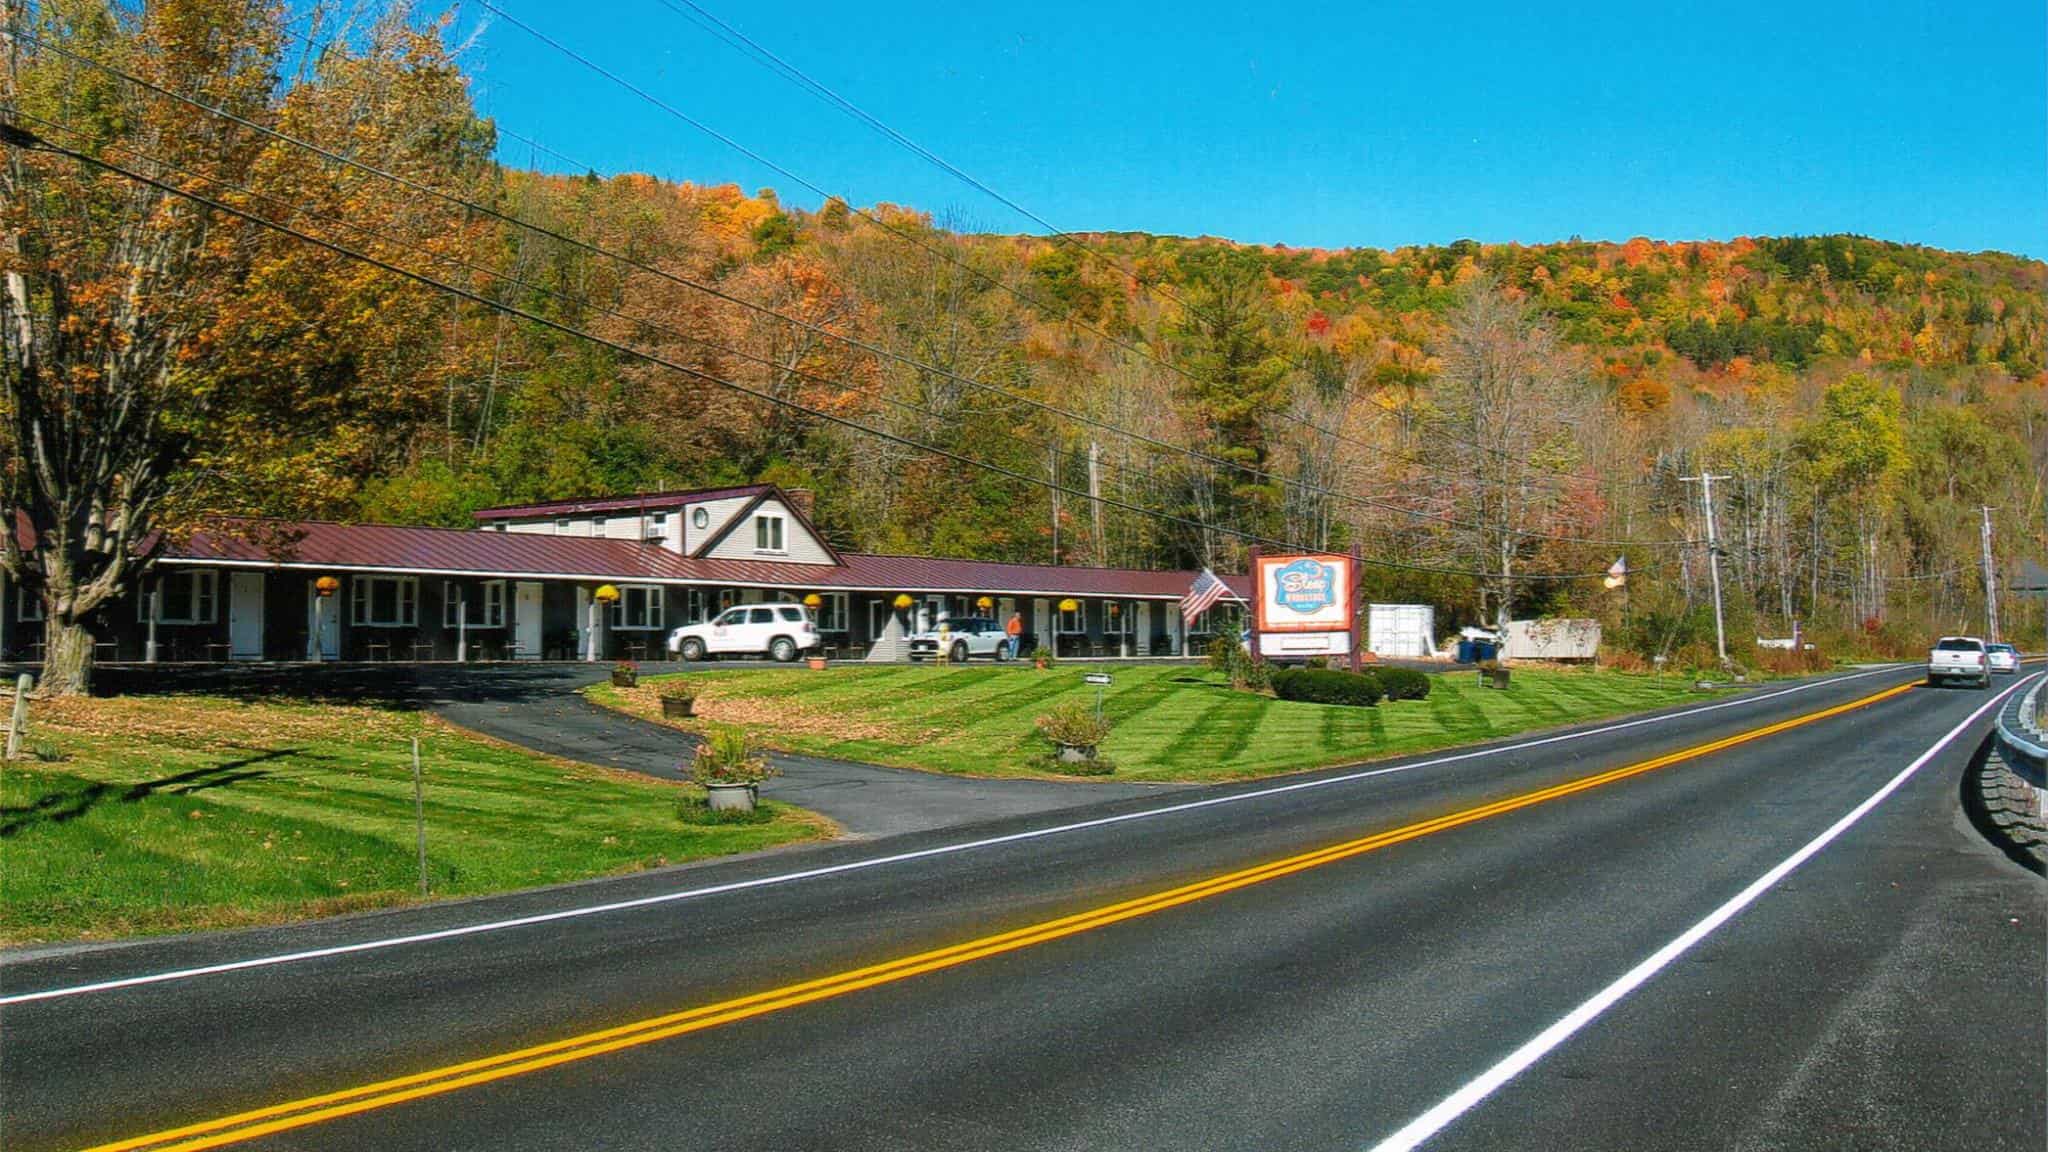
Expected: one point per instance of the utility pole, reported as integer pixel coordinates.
(1990, 579)
(1052, 457)
(1095, 501)
(1706, 482)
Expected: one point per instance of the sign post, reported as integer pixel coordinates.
(1306, 606)
(1101, 681)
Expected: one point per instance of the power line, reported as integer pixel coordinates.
(913, 240)
(21, 137)
(703, 18)
(828, 333)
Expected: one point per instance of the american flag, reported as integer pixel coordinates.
(1202, 596)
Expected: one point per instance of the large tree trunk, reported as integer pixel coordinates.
(67, 657)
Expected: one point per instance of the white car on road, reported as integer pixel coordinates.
(2005, 659)
(780, 631)
(1959, 658)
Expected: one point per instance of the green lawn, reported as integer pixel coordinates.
(172, 813)
(1171, 723)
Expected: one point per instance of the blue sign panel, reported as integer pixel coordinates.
(1305, 586)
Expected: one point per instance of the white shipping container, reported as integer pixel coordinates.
(1402, 630)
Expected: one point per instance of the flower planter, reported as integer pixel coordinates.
(816, 663)
(625, 679)
(731, 797)
(678, 707)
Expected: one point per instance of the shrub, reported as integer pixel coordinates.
(1403, 683)
(1075, 723)
(1323, 686)
(729, 755)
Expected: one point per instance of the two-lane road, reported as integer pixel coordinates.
(1744, 925)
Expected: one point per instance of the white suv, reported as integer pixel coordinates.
(779, 630)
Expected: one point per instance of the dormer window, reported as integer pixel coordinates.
(562, 525)
(597, 525)
(657, 526)
(768, 534)
(700, 518)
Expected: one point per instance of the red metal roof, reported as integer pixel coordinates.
(317, 544)
(653, 501)
(464, 551)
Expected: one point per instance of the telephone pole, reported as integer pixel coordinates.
(1706, 482)
(1990, 582)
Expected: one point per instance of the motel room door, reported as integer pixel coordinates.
(245, 616)
(1042, 623)
(1141, 643)
(327, 644)
(526, 620)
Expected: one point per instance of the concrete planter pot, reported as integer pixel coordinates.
(731, 797)
(678, 707)
(1075, 753)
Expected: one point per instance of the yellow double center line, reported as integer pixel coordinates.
(385, 1093)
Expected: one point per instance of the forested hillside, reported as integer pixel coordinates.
(1481, 419)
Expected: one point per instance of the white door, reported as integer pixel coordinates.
(245, 616)
(1041, 618)
(582, 622)
(323, 625)
(526, 622)
(1141, 644)
(878, 619)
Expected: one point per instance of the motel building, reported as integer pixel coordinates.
(525, 585)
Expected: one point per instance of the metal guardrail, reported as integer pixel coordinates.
(2022, 734)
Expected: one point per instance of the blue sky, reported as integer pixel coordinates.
(1331, 126)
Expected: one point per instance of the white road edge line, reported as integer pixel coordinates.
(881, 861)
(1427, 1125)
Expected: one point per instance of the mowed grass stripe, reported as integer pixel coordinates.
(1171, 722)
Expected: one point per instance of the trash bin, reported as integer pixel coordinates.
(1465, 652)
(1484, 650)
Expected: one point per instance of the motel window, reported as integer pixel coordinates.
(768, 534)
(726, 598)
(597, 525)
(1076, 622)
(639, 607)
(499, 526)
(188, 597)
(484, 604)
(562, 525)
(695, 609)
(28, 606)
(384, 601)
(832, 612)
(657, 526)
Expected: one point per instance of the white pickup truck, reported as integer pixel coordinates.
(1959, 658)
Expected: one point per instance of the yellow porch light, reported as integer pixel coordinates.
(605, 594)
(327, 585)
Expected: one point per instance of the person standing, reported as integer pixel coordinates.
(1013, 632)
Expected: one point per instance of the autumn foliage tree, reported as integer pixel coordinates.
(166, 360)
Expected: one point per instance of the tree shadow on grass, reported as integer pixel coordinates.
(66, 806)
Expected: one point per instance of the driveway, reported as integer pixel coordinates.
(539, 706)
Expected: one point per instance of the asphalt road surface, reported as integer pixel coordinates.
(1743, 927)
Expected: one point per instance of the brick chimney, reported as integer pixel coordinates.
(802, 500)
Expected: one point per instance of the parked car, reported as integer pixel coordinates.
(781, 631)
(2005, 659)
(964, 640)
(1959, 658)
